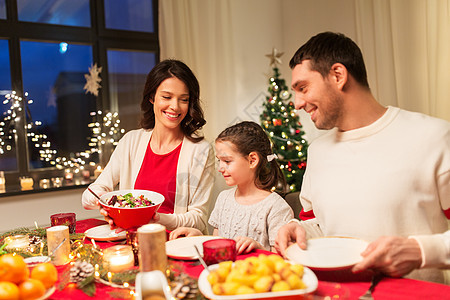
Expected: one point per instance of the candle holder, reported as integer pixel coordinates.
(97, 172)
(2, 181)
(67, 219)
(218, 250)
(17, 242)
(57, 181)
(26, 183)
(58, 243)
(152, 247)
(68, 174)
(86, 174)
(44, 183)
(118, 258)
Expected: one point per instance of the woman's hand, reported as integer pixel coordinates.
(183, 232)
(245, 244)
(110, 221)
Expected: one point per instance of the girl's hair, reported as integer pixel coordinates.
(170, 68)
(249, 137)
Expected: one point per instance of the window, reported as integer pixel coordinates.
(2, 9)
(47, 52)
(62, 12)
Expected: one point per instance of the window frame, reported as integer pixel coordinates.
(98, 36)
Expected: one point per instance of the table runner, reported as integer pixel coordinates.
(388, 288)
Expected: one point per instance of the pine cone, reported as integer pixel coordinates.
(80, 271)
(35, 240)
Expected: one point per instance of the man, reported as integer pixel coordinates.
(378, 171)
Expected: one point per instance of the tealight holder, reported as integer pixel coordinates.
(218, 250)
(57, 181)
(67, 219)
(118, 258)
(17, 242)
(26, 183)
(44, 183)
(97, 172)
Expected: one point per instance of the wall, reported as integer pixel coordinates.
(24, 210)
(257, 26)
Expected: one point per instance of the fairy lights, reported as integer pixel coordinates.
(105, 130)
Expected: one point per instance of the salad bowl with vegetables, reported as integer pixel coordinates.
(131, 208)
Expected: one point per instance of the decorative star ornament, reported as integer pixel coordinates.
(93, 80)
(275, 57)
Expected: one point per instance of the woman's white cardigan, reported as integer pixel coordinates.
(194, 182)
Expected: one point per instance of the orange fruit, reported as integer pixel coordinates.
(8, 291)
(31, 289)
(13, 268)
(45, 273)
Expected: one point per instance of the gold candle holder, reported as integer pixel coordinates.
(58, 244)
(2, 181)
(17, 242)
(152, 247)
(26, 183)
(97, 172)
(118, 258)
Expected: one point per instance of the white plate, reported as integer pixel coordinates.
(104, 233)
(328, 253)
(309, 278)
(183, 248)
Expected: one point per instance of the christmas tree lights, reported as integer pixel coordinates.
(281, 122)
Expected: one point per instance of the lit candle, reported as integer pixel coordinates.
(58, 252)
(98, 171)
(44, 183)
(2, 181)
(26, 183)
(57, 181)
(118, 258)
(17, 242)
(68, 175)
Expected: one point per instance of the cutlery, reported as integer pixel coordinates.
(200, 258)
(54, 250)
(93, 193)
(375, 280)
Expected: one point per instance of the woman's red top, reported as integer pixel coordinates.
(158, 173)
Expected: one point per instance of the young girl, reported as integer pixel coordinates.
(250, 213)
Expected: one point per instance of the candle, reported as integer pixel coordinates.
(68, 175)
(98, 171)
(2, 181)
(44, 183)
(55, 236)
(26, 183)
(57, 181)
(17, 242)
(86, 174)
(67, 219)
(152, 247)
(118, 258)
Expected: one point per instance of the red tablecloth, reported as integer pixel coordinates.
(388, 288)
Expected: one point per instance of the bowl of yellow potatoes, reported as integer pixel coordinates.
(257, 277)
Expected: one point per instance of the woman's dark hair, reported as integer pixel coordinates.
(165, 69)
(249, 137)
(328, 48)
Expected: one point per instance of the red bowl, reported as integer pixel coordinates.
(127, 217)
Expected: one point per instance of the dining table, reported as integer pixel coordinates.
(387, 288)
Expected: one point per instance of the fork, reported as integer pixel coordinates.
(375, 280)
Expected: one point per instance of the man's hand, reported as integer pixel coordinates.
(394, 256)
(288, 234)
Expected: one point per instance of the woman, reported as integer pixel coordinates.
(166, 155)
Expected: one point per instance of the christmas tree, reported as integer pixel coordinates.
(281, 122)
